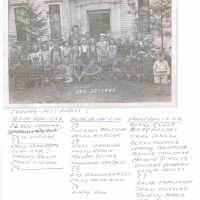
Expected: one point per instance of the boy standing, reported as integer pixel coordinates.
(161, 70)
(56, 55)
(84, 51)
(102, 50)
(45, 55)
(67, 62)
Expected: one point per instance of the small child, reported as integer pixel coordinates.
(35, 56)
(45, 55)
(134, 59)
(112, 53)
(92, 48)
(119, 47)
(87, 36)
(102, 49)
(79, 69)
(14, 62)
(84, 51)
(67, 62)
(51, 46)
(66, 53)
(128, 65)
(161, 70)
(75, 52)
(92, 69)
(15, 56)
(117, 68)
(140, 60)
(56, 55)
(109, 37)
(126, 46)
(112, 49)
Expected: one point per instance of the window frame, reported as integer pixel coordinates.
(99, 12)
(17, 24)
(144, 15)
(60, 19)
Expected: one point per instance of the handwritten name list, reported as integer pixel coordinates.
(103, 152)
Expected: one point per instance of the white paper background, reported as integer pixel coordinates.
(42, 185)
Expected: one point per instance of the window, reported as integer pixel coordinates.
(99, 22)
(55, 21)
(20, 21)
(143, 3)
(144, 15)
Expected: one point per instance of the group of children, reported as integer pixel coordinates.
(82, 56)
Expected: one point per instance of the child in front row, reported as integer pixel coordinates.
(84, 51)
(161, 70)
(67, 62)
(45, 56)
(56, 55)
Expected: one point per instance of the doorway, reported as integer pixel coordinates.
(99, 22)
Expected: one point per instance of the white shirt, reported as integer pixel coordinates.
(161, 67)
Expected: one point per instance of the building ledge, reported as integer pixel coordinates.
(88, 2)
(53, 1)
(17, 4)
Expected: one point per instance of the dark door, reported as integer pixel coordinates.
(55, 22)
(99, 22)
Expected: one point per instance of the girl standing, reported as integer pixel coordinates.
(67, 61)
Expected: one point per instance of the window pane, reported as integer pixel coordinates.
(143, 3)
(99, 22)
(55, 22)
(20, 21)
(140, 3)
(144, 15)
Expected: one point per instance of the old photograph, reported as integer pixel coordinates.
(90, 52)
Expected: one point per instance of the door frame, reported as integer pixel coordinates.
(61, 18)
(99, 11)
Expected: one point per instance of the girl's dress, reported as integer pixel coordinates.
(92, 51)
(92, 69)
(45, 55)
(67, 62)
(102, 52)
(84, 53)
(36, 58)
(75, 54)
(79, 70)
(56, 56)
(161, 72)
(56, 61)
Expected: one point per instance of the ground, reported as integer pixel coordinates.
(96, 91)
